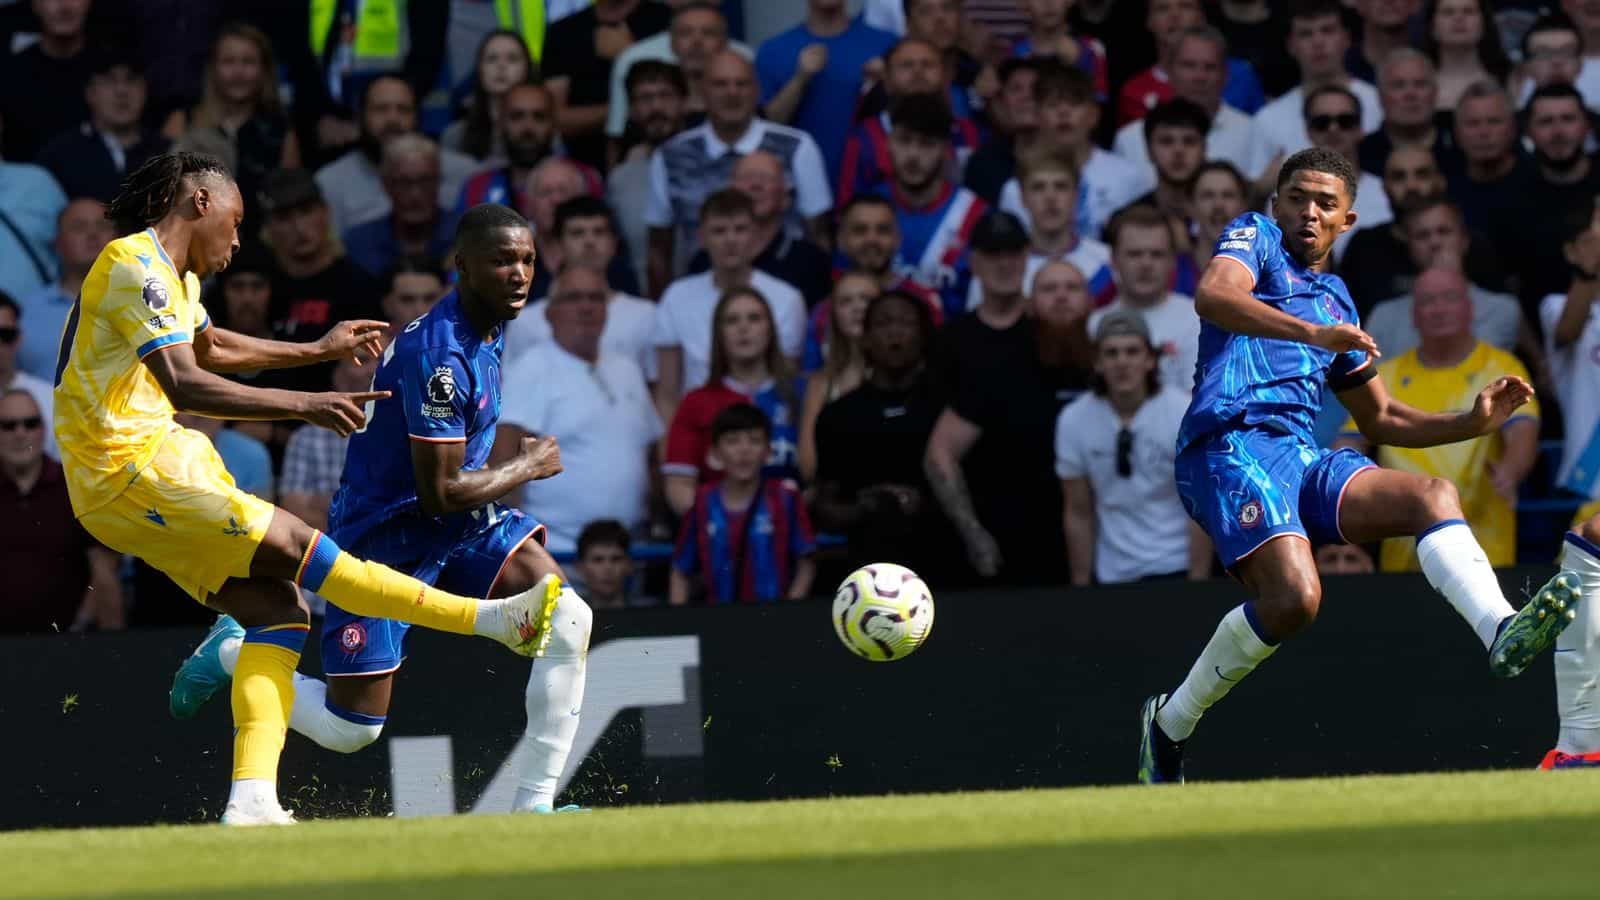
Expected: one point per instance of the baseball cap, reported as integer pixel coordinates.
(1120, 323)
(288, 189)
(999, 232)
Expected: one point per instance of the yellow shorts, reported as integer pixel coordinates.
(184, 515)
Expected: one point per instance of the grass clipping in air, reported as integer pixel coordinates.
(1490, 835)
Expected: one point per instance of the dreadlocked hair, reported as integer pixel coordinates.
(149, 192)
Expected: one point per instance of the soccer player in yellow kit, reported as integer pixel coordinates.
(137, 347)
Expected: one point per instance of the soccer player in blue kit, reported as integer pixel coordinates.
(417, 494)
(1275, 328)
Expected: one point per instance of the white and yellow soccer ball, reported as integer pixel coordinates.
(883, 612)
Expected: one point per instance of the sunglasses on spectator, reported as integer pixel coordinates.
(28, 424)
(9, 335)
(1124, 453)
(1344, 122)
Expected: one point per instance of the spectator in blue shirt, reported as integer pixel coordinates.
(81, 232)
(811, 74)
(30, 202)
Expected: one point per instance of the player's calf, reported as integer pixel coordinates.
(554, 699)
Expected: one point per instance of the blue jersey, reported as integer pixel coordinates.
(1245, 381)
(444, 384)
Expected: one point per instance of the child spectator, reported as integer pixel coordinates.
(747, 537)
(603, 568)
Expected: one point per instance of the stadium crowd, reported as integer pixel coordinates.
(908, 285)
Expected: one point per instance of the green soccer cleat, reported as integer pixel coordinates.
(202, 675)
(529, 613)
(1160, 757)
(1532, 629)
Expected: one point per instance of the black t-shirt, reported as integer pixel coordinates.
(1372, 154)
(303, 309)
(993, 378)
(569, 52)
(872, 436)
(1262, 44)
(1530, 232)
(43, 98)
(1484, 203)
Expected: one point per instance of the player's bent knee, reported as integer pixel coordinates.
(349, 737)
(570, 625)
(1440, 500)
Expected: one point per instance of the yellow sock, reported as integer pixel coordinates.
(263, 692)
(372, 589)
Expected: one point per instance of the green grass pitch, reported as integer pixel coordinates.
(1491, 835)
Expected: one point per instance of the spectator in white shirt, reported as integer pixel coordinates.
(594, 403)
(1115, 448)
(684, 314)
(1318, 41)
(1068, 115)
(691, 165)
(1143, 256)
(584, 235)
(1198, 73)
(698, 32)
(657, 99)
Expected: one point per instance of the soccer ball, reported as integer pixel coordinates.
(882, 612)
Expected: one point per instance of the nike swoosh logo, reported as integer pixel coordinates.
(1224, 677)
(574, 712)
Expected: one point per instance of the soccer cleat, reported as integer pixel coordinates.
(239, 814)
(1533, 629)
(202, 674)
(1160, 757)
(1555, 759)
(529, 614)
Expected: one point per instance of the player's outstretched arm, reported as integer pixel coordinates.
(1387, 421)
(220, 350)
(192, 389)
(443, 487)
(1223, 298)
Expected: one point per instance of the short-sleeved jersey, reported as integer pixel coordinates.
(1244, 381)
(747, 555)
(444, 384)
(111, 414)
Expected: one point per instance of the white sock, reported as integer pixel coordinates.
(491, 621)
(312, 717)
(1459, 569)
(1576, 656)
(1231, 654)
(553, 699)
(253, 794)
(228, 654)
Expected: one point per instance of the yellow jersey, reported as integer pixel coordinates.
(1493, 519)
(111, 414)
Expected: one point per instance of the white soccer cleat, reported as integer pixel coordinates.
(527, 617)
(248, 814)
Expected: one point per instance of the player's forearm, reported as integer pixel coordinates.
(206, 394)
(1406, 426)
(1521, 448)
(1237, 312)
(473, 489)
(229, 351)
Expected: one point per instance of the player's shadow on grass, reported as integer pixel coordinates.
(1541, 858)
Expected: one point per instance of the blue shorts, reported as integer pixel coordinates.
(466, 563)
(1249, 486)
